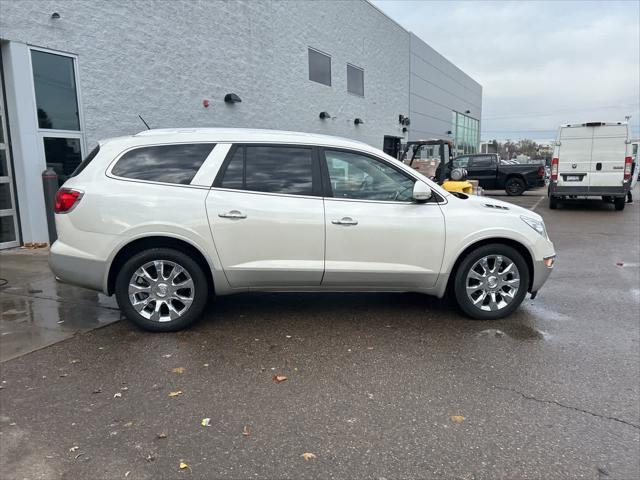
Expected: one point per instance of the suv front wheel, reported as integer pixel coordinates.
(161, 290)
(491, 282)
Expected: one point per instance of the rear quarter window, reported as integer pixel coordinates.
(176, 164)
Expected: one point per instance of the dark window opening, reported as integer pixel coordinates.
(319, 67)
(355, 80)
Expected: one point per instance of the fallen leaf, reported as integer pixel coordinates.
(74, 361)
(128, 424)
(150, 457)
(288, 336)
(205, 364)
(246, 431)
(176, 393)
(206, 422)
(74, 448)
(127, 474)
(279, 378)
(62, 375)
(308, 456)
(161, 435)
(178, 370)
(97, 390)
(167, 355)
(457, 418)
(117, 395)
(184, 466)
(124, 389)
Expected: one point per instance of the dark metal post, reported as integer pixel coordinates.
(50, 186)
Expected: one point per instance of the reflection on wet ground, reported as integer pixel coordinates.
(36, 311)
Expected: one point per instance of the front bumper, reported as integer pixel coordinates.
(541, 272)
(70, 268)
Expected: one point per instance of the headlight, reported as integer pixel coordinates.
(537, 225)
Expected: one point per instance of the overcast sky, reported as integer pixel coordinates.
(540, 63)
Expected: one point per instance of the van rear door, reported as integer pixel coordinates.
(574, 157)
(607, 156)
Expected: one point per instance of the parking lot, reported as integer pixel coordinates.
(378, 385)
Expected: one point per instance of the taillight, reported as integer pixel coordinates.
(554, 170)
(66, 200)
(541, 172)
(627, 168)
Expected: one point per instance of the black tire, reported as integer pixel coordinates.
(619, 203)
(514, 187)
(200, 290)
(553, 202)
(460, 280)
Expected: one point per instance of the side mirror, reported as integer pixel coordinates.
(421, 192)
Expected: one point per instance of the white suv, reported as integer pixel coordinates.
(166, 218)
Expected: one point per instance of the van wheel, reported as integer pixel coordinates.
(161, 290)
(491, 282)
(619, 203)
(553, 202)
(514, 187)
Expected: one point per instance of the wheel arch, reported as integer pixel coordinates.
(156, 241)
(519, 247)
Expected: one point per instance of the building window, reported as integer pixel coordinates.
(466, 134)
(54, 82)
(319, 67)
(163, 163)
(355, 80)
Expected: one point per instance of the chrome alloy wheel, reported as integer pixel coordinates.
(493, 282)
(161, 290)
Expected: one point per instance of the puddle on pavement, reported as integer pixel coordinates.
(43, 312)
(515, 331)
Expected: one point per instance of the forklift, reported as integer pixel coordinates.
(439, 152)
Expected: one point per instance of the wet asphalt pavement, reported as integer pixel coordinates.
(379, 385)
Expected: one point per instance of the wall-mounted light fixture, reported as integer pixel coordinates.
(467, 111)
(232, 98)
(55, 16)
(405, 129)
(324, 115)
(449, 132)
(407, 121)
(358, 121)
(401, 119)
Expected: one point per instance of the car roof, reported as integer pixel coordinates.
(237, 135)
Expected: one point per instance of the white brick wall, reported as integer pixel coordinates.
(160, 59)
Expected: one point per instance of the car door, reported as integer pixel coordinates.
(376, 236)
(266, 216)
(484, 169)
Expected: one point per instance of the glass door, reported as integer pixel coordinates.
(8, 215)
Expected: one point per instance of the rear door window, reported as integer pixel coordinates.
(163, 163)
(271, 169)
(482, 161)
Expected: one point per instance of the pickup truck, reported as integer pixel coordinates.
(493, 174)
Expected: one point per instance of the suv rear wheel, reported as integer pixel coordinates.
(161, 290)
(491, 282)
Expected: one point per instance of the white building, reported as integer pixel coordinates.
(76, 71)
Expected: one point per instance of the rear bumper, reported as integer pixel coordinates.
(75, 270)
(585, 191)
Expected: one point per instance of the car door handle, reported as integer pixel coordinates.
(345, 221)
(232, 214)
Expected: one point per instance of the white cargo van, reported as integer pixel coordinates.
(591, 160)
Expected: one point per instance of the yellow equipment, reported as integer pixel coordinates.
(460, 186)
